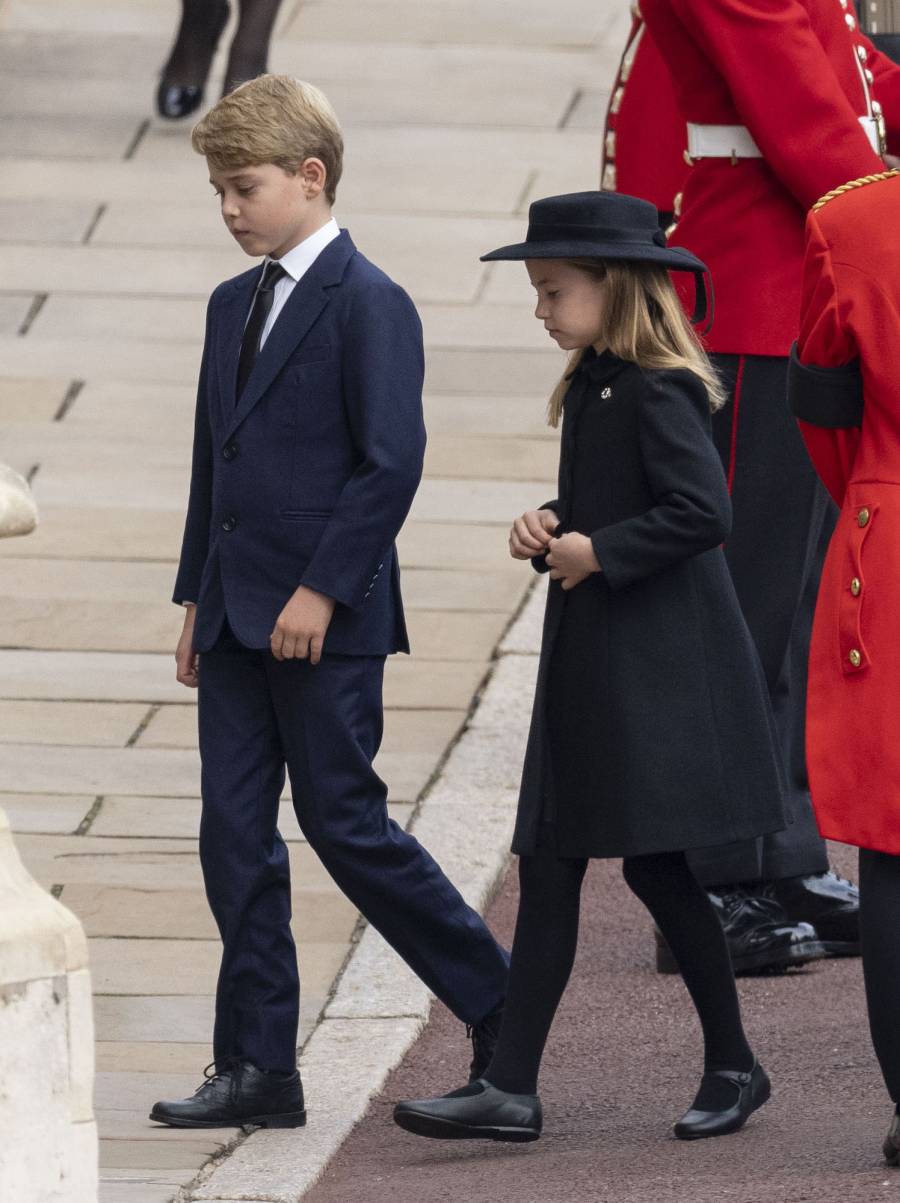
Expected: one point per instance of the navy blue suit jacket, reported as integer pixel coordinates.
(309, 478)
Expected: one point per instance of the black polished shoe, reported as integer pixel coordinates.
(760, 937)
(751, 1089)
(891, 1146)
(238, 1095)
(487, 1114)
(829, 903)
(484, 1036)
(176, 100)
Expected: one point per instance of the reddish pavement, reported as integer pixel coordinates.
(622, 1064)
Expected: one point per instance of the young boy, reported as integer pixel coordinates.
(308, 451)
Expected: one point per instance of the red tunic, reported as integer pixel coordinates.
(850, 326)
(792, 72)
(645, 139)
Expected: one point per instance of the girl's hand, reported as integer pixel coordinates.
(571, 560)
(530, 535)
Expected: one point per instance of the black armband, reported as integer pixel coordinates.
(829, 397)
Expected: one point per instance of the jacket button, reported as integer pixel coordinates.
(855, 658)
(863, 517)
(230, 523)
(856, 586)
(229, 451)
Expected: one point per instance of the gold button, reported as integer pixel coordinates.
(863, 516)
(855, 658)
(856, 586)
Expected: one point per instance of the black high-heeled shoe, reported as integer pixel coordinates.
(174, 101)
(752, 1090)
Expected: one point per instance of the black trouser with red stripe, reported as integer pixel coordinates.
(783, 519)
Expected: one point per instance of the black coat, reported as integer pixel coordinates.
(651, 729)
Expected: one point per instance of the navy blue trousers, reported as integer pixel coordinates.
(324, 723)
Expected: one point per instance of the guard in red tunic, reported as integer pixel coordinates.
(645, 138)
(783, 100)
(845, 388)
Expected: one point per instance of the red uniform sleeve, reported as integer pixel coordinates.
(886, 89)
(829, 387)
(785, 91)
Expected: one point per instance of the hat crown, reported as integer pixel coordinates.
(603, 210)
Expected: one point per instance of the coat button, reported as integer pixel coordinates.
(229, 451)
(230, 523)
(856, 586)
(863, 517)
(855, 658)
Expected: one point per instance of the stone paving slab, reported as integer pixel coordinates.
(36, 400)
(46, 814)
(93, 723)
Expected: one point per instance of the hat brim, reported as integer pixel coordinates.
(675, 258)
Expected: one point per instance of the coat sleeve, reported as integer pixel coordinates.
(886, 88)
(785, 91)
(539, 563)
(195, 543)
(692, 510)
(824, 381)
(383, 365)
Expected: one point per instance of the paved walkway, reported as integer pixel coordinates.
(621, 1066)
(456, 115)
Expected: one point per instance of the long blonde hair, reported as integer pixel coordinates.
(643, 322)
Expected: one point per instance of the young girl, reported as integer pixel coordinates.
(651, 732)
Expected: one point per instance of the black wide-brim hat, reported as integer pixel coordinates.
(601, 225)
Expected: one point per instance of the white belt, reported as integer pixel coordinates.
(736, 142)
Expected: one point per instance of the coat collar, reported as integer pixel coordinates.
(598, 368)
(310, 296)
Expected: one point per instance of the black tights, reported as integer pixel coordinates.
(544, 951)
(202, 21)
(879, 913)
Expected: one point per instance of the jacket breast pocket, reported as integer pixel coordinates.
(310, 359)
(305, 515)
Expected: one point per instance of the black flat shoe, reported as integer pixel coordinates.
(490, 1114)
(891, 1146)
(239, 1095)
(751, 1091)
(177, 100)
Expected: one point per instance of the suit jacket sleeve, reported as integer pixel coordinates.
(195, 543)
(383, 367)
(785, 91)
(692, 510)
(824, 382)
(886, 88)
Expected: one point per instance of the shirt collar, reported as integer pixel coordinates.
(299, 259)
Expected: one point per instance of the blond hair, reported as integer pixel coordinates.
(643, 322)
(273, 119)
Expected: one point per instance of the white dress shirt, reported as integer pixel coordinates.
(296, 262)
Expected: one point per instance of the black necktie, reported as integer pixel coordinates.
(262, 307)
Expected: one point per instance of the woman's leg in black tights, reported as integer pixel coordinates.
(685, 916)
(191, 56)
(879, 916)
(249, 53)
(542, 957)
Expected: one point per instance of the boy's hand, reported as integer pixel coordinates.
(300, 630)
(571, 560)
(530, 535)
(187, 661)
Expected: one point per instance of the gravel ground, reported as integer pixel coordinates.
(622, 1064)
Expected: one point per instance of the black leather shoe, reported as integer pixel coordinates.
(239, 1095)
(491, 1114)
(484, 1036)
(891, 1146)
(752, 1089)
(760, 937)
(176, 100)
(829, 903)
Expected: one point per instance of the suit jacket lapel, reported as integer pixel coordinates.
(310, 296)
